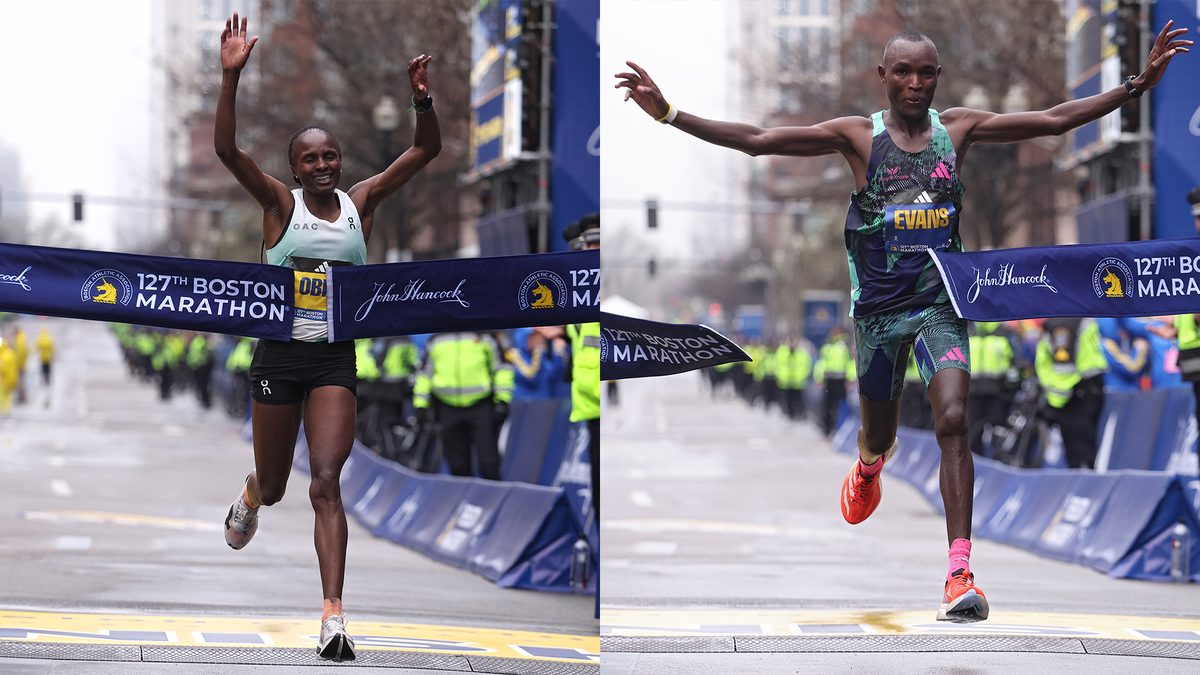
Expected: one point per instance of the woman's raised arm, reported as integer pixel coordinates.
(427, 143)
(267, 191)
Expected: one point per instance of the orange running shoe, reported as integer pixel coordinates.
(860, 494)
(962, 602)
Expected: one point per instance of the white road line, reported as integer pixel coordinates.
(641, 498)
(73, 543)
(655, 548)
(60, 488)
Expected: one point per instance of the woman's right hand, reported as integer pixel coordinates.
(235, 49)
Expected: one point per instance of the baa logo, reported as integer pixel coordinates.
(543, 290)
(107, 286)
(1111, 278)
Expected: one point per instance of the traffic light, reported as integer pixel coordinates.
(78, 199)
(652, 214)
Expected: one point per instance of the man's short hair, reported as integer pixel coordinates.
(909, 35)
(1193, 198)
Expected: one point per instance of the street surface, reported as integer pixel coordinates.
(723, 536)
(111, 510)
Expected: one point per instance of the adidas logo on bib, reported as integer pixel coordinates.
(923, 198)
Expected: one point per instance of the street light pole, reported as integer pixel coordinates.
(386, 118)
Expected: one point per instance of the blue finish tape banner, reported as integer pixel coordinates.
(204, 295)
(1140, 278)
(632, 347)
(465, 294)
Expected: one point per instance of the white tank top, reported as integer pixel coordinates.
(310, 246)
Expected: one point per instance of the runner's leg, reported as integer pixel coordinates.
(275, 428)
(329, 425)
(948, 391)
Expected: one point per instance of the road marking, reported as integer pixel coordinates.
(666, 622)
(655, 548)
(641, 498)
(101, 517)
(292, 633)
(60, 488)
(73, 543)
(58, 462)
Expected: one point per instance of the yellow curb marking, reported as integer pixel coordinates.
(290, 632)
(812, 622)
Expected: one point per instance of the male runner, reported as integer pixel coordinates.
(905, 162)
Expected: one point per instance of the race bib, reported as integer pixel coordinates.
(310, 295)
(919, 220)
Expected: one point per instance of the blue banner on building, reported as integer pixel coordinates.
(632, 347)
(1142, 278)
(1176, 109)
(465, 294)
(575, 184)
(204, 295)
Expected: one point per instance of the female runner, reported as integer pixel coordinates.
(309, 229)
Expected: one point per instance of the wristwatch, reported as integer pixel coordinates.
(1133, 91)
(424, 105)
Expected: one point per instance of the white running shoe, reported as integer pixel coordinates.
(240, 523)
(335, 643)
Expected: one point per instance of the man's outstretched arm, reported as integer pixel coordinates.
(989, 127)
(821, 139)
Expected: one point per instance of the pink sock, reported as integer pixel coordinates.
(960, 556)
(868, 470)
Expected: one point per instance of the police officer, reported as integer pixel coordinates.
(835, 366)
(466, 385)
(991, 359)
(200, 362)
(794, 367)
(1070, 366)
(585, 359)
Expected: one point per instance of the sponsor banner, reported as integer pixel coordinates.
(203, 295)
(1127, 279)
(632, 347)
(575, 183)
(465, 294)
(1175, 107)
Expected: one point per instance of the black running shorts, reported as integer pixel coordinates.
(284, 372)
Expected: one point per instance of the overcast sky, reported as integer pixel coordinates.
(76, 104)
(684, 46)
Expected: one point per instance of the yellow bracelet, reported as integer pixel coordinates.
(672, 111)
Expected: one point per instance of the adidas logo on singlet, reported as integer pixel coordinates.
(923, 198)
(940, 171)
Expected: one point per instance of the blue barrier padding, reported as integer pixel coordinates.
(1149, 556)
(548, 562)
(1175, 449)
(530, 425)
(991, 481)
(495, 529)
(1068, 519)
(1138, 416)
(567, 465)
(1117, 522)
